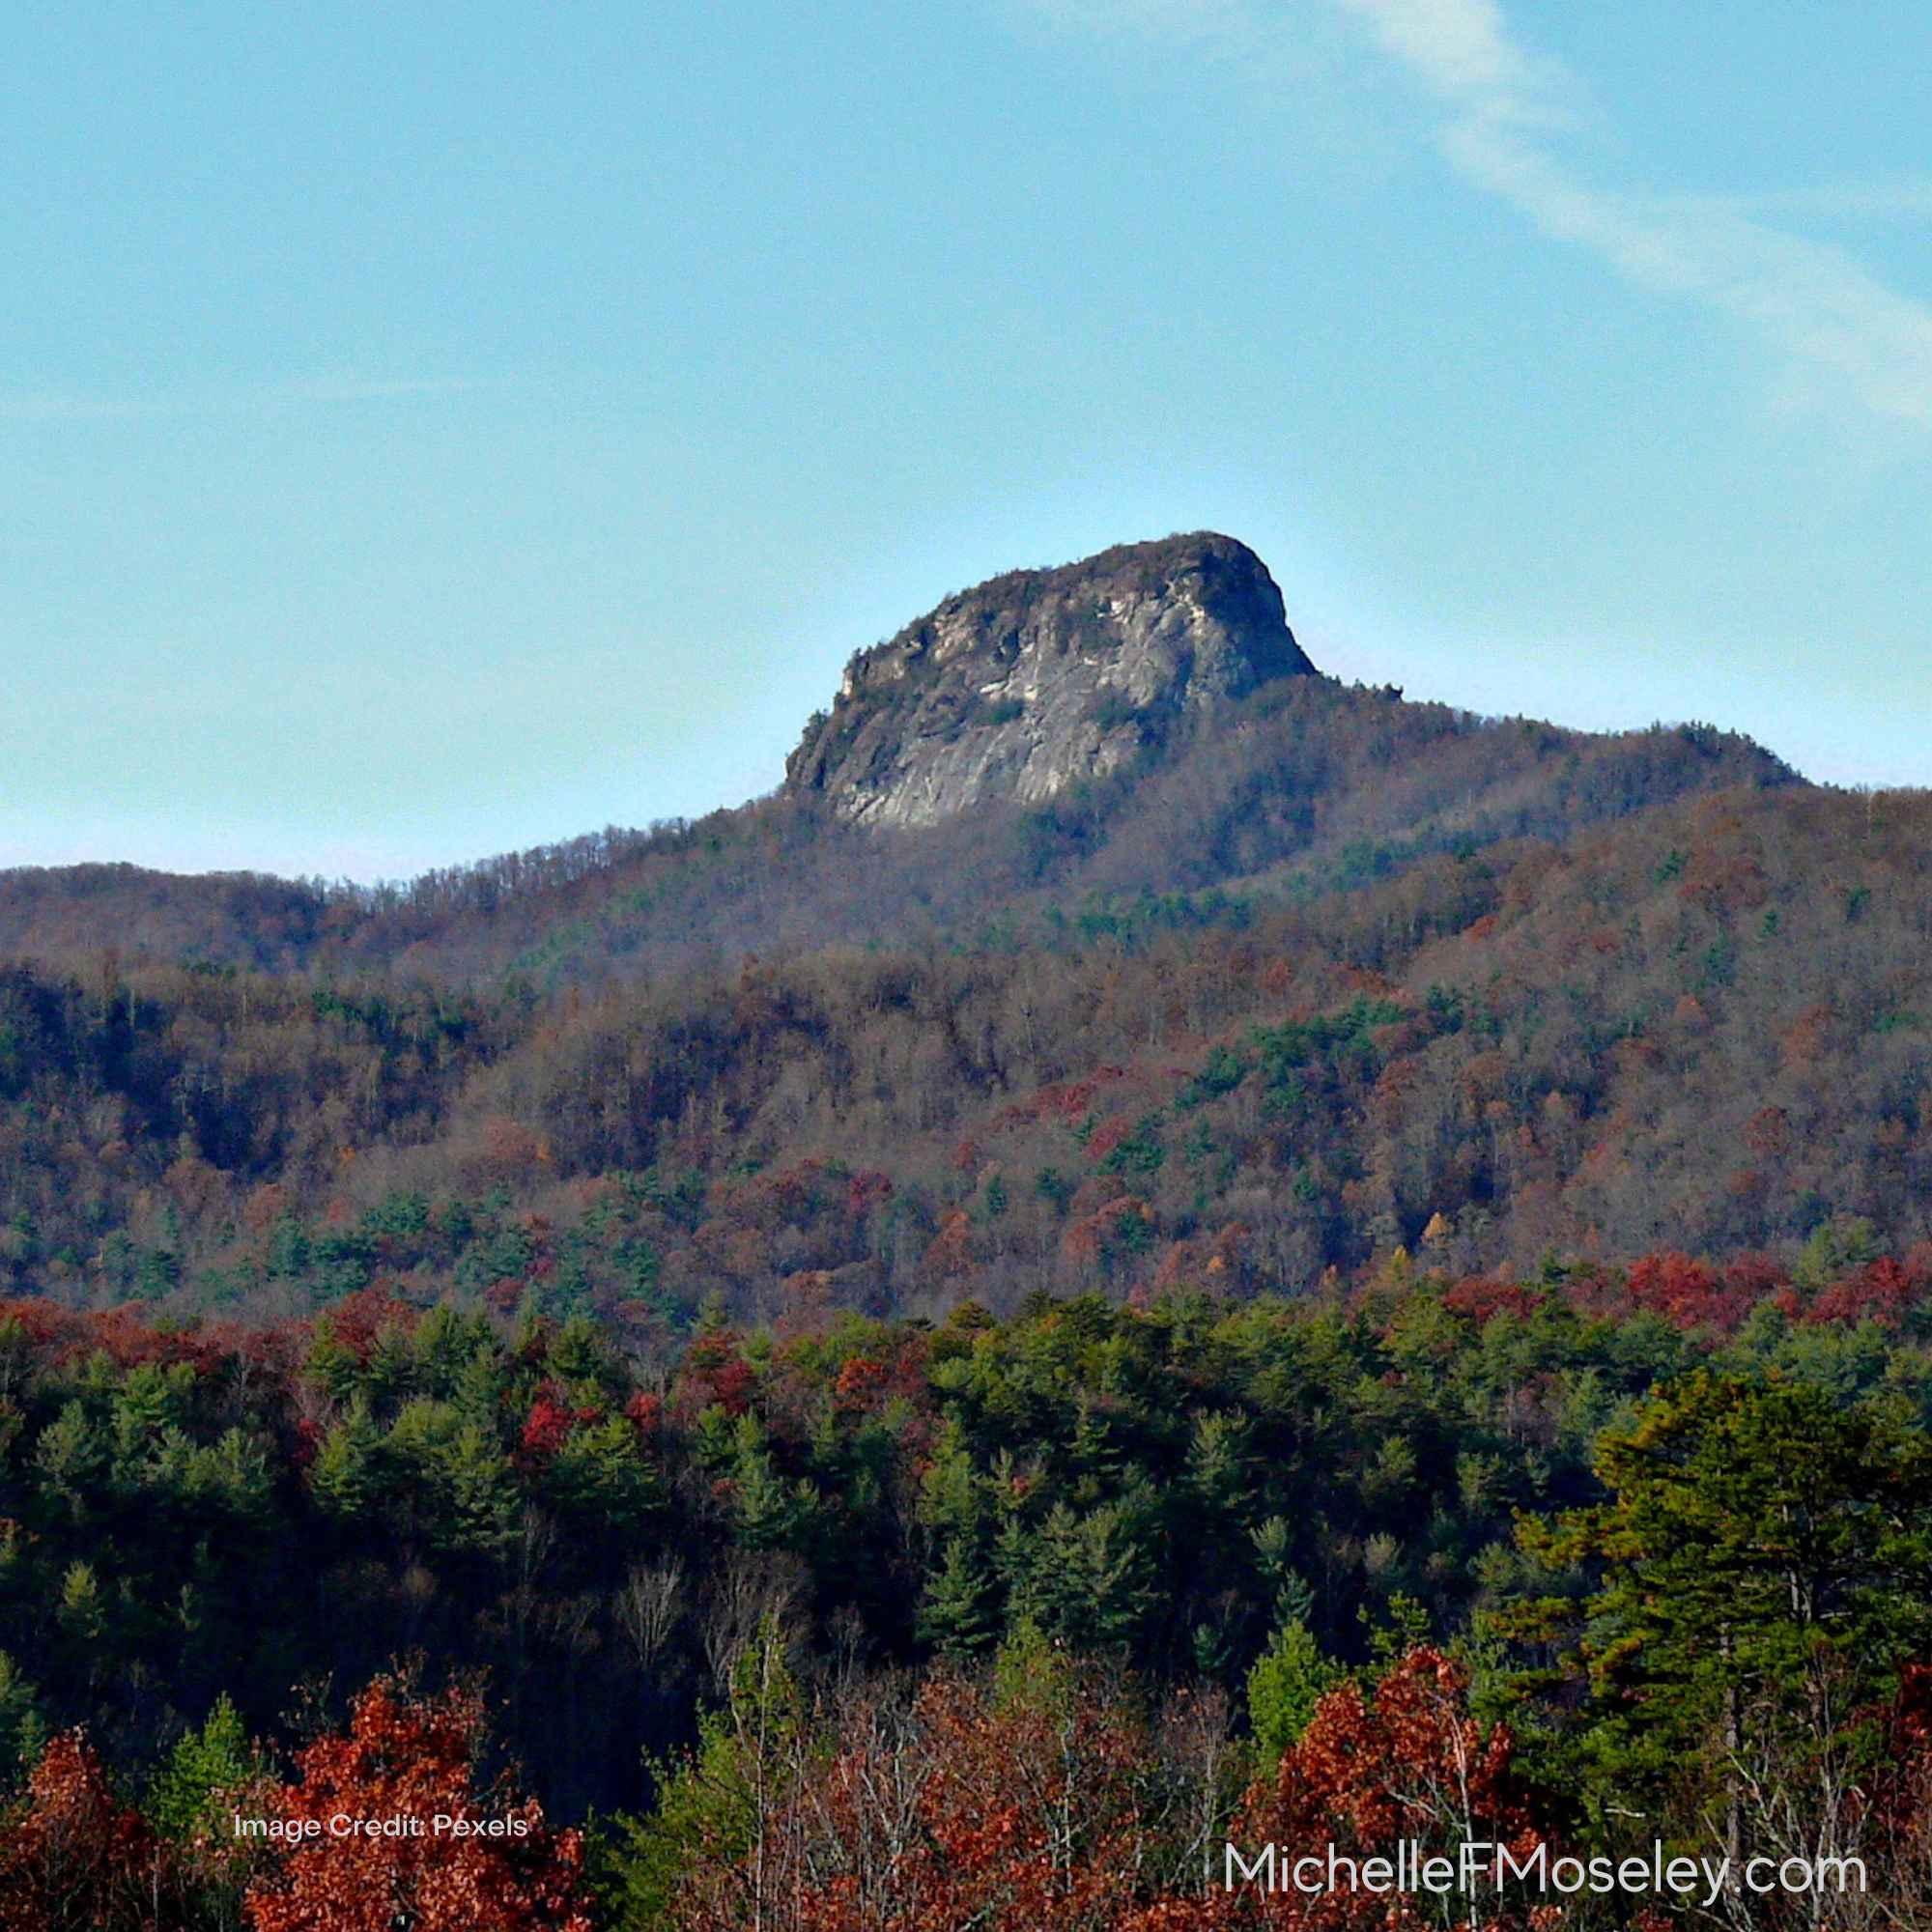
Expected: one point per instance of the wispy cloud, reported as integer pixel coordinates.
(1462, 48)
(1844, 201)
(1841, 334)
(328, 391)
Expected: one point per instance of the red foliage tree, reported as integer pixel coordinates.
(949, 1253)
(1689, 1292)
(715, 1371)
(1882, 1290)
(546, 1427)
(861, 1382)
(1017, 1814)
(1481, 1297)
(411, 1758)
(74, 1859)
(1369, 1773)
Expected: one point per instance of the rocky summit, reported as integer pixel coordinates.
(1015, 689)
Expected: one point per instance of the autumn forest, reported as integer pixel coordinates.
(1365, 1275)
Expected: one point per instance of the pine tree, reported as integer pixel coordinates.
(1767, 1566)
(480, 1504)
(958, 1615)
(477, 1387)
(203, 1769)
(1289, 1678)
(23, 1731)
(346, 1475)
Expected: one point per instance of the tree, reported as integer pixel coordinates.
(958, 1615)
(410, 1756)
(204, 1767)
(23, 1731)
(718, 1830)
(211, 1775)
(479, 1501)
(1766, 1566)
(1023, 1798)
(346, 1475)
(1370, 1773)
(1287, 1682)
(74, 1858)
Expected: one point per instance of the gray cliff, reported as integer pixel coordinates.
(1020, 688)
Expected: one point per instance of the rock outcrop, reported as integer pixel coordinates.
(1041, 678)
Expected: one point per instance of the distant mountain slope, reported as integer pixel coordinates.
(1053, 745)
(1707, 1027)
(1305, 787)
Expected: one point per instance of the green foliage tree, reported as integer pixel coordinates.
(1287, 1682)
(958, 1613)
(718, 1801)
(347, 1475)
(1766, 1571)
(23, 1730)
(205, 1768)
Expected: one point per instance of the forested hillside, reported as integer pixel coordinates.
(1019, 1619)
(899, 1376)
(1707, 1028)
(1310, 785)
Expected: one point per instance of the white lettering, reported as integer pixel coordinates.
(1263, 1862)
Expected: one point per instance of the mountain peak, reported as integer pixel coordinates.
(1037, 679)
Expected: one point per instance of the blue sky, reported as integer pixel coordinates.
(430, 431)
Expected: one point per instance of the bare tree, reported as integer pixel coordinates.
(649, 1604)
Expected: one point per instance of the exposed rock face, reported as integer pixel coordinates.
(1019, 688)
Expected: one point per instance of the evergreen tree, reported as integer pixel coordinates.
(1767, 1571)
(346, 1476)
(1289, 1678)
(23, 1730)
(205, 1767)
(957, 1614)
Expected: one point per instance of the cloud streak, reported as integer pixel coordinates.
(70, 405)
(1840, 333)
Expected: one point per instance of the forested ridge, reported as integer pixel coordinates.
(1704, 1028)
(925, 1378)
(1310, 785)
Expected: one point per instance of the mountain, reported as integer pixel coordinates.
(1069, 742)
(1707, 1027)
(1094, 937)
(1042, 680)
(1139, 1162)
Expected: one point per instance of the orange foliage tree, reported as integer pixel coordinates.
(1031, 1803)
(411, 1758)
(1039, 1802)
(74, 1858)
(1373, 1773)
